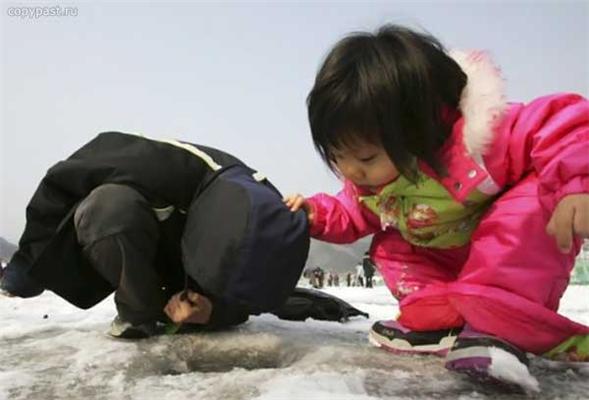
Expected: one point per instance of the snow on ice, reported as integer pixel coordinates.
(51, 350)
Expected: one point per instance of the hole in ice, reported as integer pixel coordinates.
(227, 360)
(218, 353)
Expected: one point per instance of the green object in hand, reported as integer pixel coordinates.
(172, 328)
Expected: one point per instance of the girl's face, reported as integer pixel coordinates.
(365, 164)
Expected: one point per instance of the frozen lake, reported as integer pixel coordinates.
(51, 350)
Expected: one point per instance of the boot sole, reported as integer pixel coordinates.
(401, 346)
(492, 365)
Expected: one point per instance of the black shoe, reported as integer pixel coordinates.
(121, 329)
(489, 359)
(392, 336)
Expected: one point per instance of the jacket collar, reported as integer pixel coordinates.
(482, 102)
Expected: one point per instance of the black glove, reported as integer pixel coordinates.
(308, 303)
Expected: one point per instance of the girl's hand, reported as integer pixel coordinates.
(298, 201)
(189, 306)
(570, 217)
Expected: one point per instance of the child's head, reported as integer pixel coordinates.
(384, 91)
(364, 162)
(241, 243)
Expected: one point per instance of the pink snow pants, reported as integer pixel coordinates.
(507, 282)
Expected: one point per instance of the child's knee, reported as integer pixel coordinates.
(110, 209)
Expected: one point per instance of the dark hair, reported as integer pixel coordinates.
(389, 88)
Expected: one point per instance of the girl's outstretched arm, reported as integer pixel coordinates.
(336, 219)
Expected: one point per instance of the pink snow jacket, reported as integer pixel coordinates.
(492, 147)
(508, 281)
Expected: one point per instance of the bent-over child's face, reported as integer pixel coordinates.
(365, 164)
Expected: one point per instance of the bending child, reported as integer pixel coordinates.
(179, 232)
(478, 207)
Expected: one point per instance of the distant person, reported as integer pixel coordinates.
(318, 277)
(313, 280)
(359, 277)
(336, 279)
(308, 274)
(368, 268)
(179, 232)
(329, 279)
(478, 206)
(349, 279)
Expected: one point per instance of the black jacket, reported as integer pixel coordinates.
(165, 174)
(260, 273)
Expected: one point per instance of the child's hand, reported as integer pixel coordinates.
(189, 306)
(298, 201)
(570, 217)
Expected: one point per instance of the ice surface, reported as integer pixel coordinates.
(68, 355)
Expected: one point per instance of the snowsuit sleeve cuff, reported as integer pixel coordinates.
(317, 226)
(577, 185)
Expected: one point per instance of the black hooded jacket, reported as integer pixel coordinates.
(194, 186)
(165, 173)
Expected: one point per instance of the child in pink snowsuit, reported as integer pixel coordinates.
(478, 206)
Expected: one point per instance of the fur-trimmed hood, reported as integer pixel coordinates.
(482, 101)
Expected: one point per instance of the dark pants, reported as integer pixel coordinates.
(120, 236)
(139, 255)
